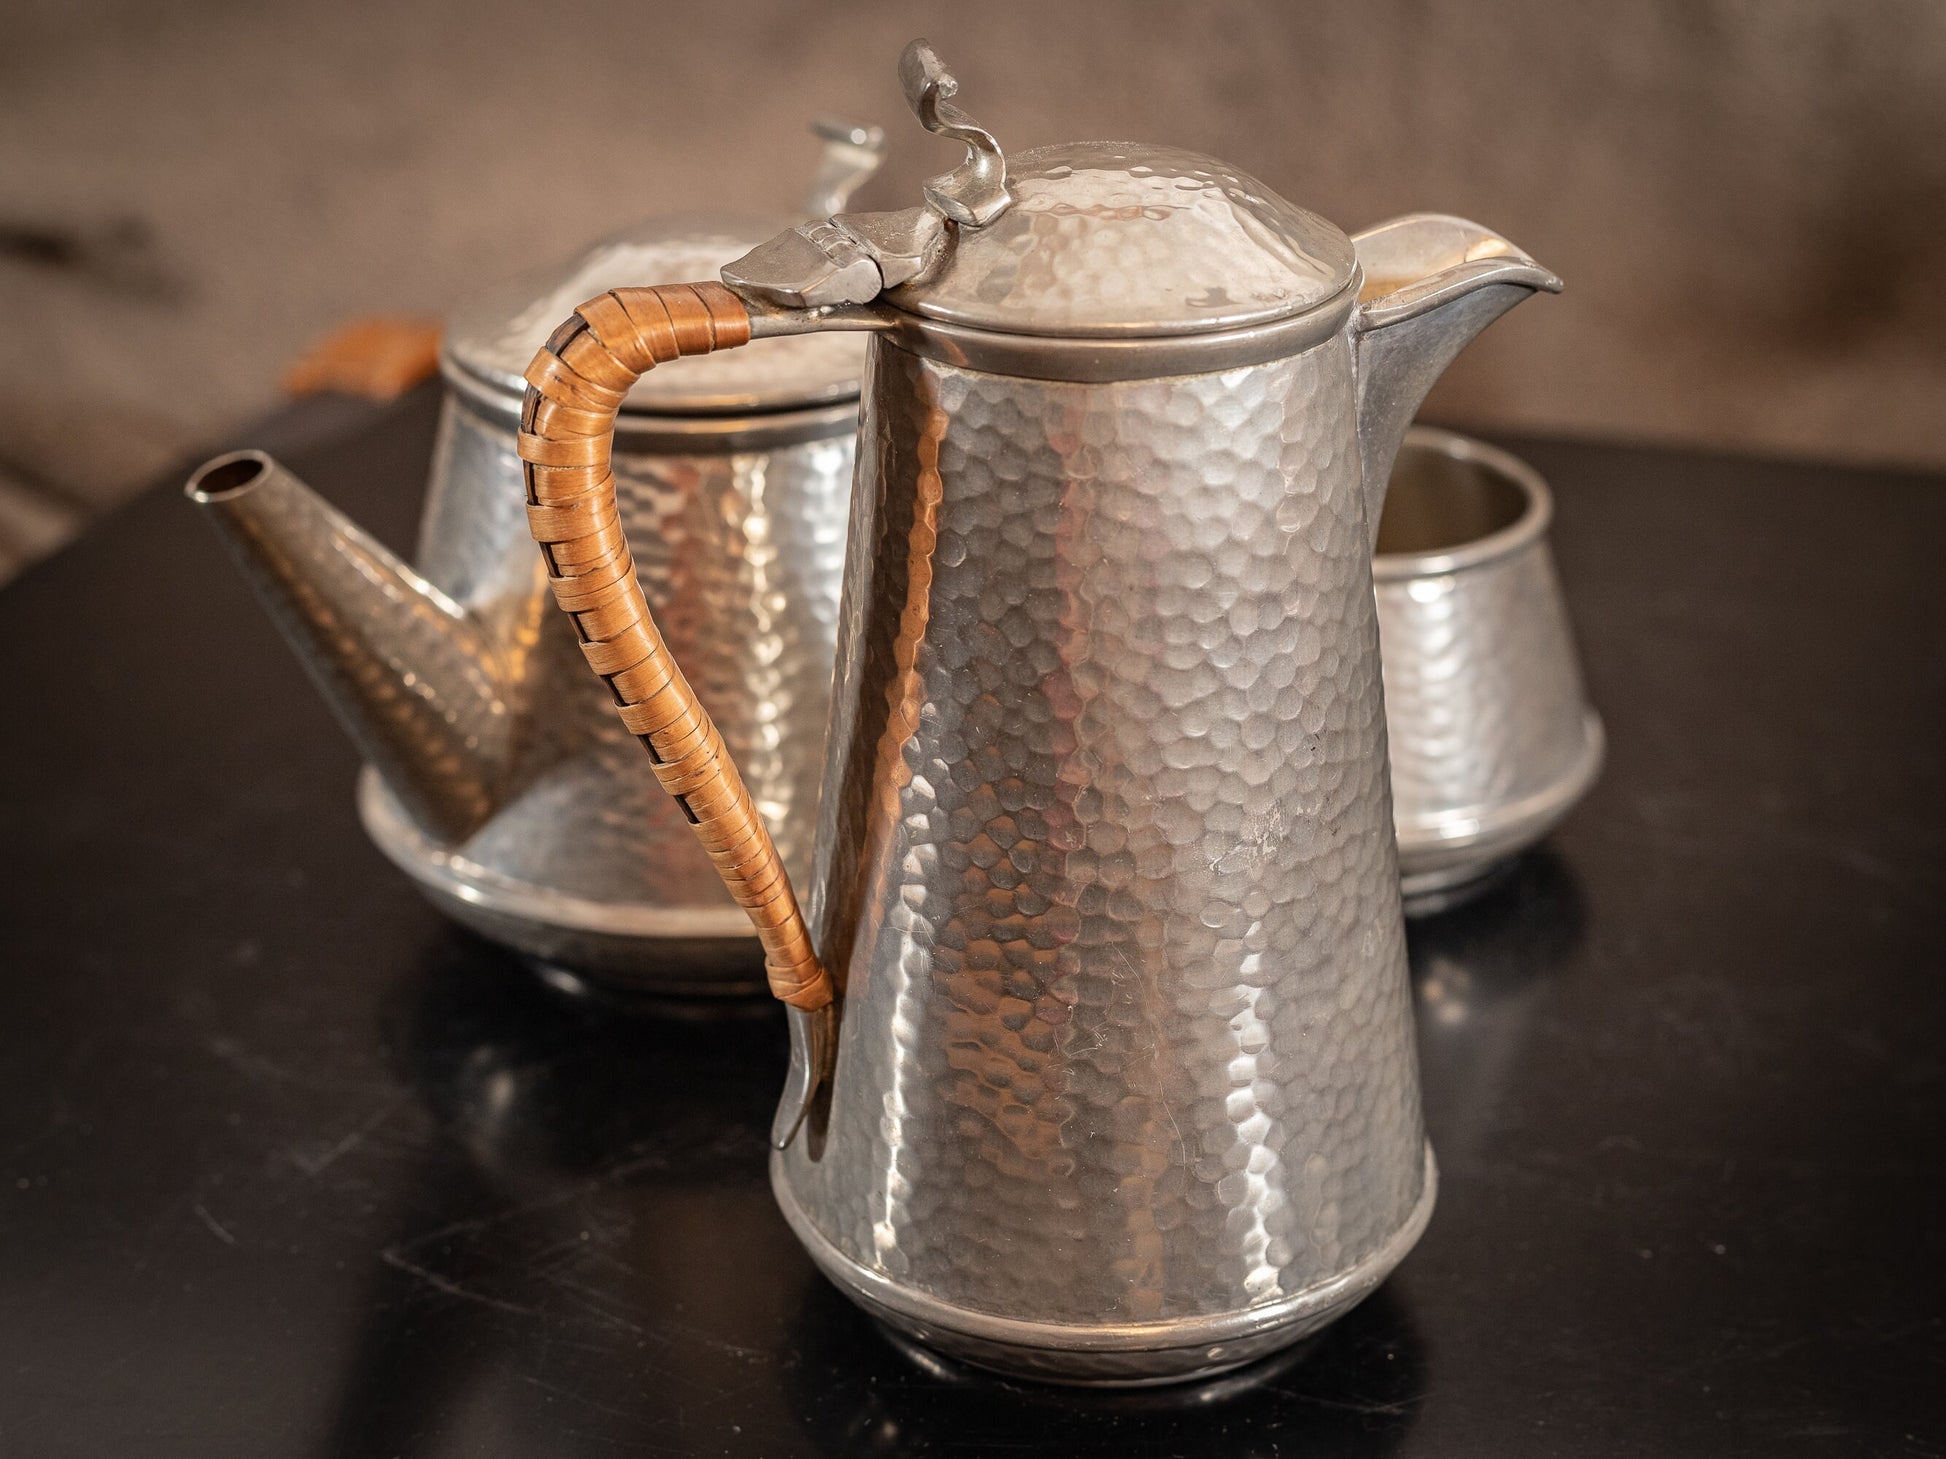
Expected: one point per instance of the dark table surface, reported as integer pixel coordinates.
(289, 1166)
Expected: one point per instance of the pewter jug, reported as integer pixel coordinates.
(1103, 1064)
(497, 776)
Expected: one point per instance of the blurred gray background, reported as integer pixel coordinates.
(1746, 197)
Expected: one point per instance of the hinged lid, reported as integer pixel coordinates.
(1087, 240)
(1113, 239)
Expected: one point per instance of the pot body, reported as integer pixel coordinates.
(1492, 737)
(737, 526)
(1126, 1087)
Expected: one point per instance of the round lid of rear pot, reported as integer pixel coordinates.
(492, 339)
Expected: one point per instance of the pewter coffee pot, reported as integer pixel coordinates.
(497, 775)
(1103, 1061)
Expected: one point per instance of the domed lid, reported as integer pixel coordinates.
(1119, 239)
(494, 338)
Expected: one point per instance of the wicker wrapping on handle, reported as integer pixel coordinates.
(574, 388)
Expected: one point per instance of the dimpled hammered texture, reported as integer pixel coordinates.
(1492, 739)
(1118, 238)
(741, 554)
(1105, 869)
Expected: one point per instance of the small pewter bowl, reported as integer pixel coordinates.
(1492, 737)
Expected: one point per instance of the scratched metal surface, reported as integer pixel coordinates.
(1105, 853)
(290, 1167)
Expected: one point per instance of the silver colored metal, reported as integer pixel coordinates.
(1106, 868)
(852, 258)
(974, 193)
(814, 1048)
(1099, 361)
(621, 947)
(808, 267)
(904, 245)
(852, 154)
(1431, 283)
(490, 343)
(499, 776)
(1102, 1354)
(1492, 737)
(1123, 1086)
(740, 550)
(442, 733)
(501, 780)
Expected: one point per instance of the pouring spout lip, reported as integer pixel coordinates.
(1423, 296)
(1412, 265)
(228, 477)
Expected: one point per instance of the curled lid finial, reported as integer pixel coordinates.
(851, 258)
(975, 192)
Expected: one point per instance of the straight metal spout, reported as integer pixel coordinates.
(403, 666)
(1432, 283)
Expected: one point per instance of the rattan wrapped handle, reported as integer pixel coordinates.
(574, 387)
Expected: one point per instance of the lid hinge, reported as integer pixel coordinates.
(854, 257)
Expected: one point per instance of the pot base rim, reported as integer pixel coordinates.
(1108, 1354)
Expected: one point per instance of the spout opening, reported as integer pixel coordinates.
(1454, 503)
(228, 477)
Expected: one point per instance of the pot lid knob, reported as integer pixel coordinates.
(850, 258)
(975, 192)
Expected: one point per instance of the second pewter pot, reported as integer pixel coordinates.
(497, 776)
(1102, 1063)
(1492, 739)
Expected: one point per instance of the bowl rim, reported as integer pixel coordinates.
(1529, 527)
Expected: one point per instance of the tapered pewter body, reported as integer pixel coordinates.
(497, 774)
(1107, 856)
(1103, 1064)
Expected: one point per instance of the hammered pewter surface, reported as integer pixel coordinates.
(1482, 687)
(1111, 238)
(741, 555)
(1485, 704)
(495, 338)
(1105, 859)
(352, 612)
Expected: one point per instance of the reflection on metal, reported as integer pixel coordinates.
(410, 673)
(1430, 284)
(585, 862)
(1124, 1085)
(1106, 872)
(1492, 737)
(499, 777)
